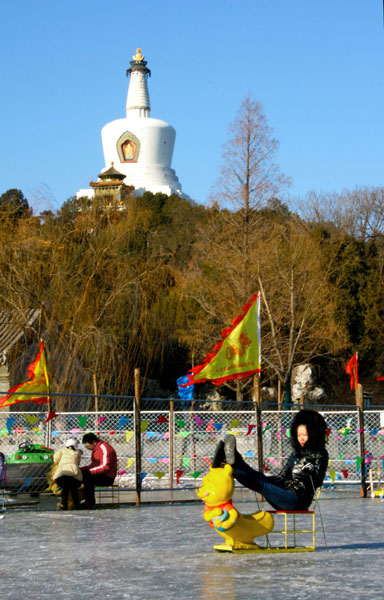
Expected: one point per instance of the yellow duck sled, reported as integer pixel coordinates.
(239, 531)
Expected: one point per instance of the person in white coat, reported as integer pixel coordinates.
(68, 474)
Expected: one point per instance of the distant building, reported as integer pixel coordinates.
(111, 188)
(141, 147)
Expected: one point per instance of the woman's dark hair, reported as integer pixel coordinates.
(316, 428)
(89, 438)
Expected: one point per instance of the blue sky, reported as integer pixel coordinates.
(316, 67)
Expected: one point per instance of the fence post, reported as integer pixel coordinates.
(96, 404)
(279, 407)
(360, 408)
(171, 435)
(192, 421)
(48, 431)
(137, 437)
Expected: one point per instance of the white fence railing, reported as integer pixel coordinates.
(176, 447)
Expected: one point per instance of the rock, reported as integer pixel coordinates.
(214, 401)
(268, 394)
(303, 385)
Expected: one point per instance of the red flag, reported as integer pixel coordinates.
(161, 419)
(250, 427)
(36, 389)
(52, 415)
(351, 370)
(381, 378)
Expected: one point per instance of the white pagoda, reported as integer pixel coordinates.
(139, 146)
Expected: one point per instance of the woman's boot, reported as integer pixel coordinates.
(219, 456)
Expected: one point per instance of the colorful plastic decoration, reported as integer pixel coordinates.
(378, 494)
(239, 531)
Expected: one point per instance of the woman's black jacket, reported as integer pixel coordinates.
(303, 472)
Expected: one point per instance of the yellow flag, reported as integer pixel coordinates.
(128, 435)
(36, 389)
(237, 356)
(130, 462)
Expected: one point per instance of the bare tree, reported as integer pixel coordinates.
(249, 176)
(104, 282)
(359, 213)
(249, 180)
(253, 242)
(298, 320)
(223, 271)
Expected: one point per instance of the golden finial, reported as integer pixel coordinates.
(138, 56)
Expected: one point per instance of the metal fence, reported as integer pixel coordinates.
(177, 443)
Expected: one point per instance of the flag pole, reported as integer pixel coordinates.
(49, 424)
(96, 400)
(359, 399)
(256, 397)
(355, 379)
(192, 420)
(256, 391)
(280, 398)
(171, 438)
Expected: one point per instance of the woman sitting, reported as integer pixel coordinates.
(304, 471)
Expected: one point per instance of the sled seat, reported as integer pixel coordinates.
(295, 530)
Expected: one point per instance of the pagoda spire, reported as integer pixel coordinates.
(138, 95)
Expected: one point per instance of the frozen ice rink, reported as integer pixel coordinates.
(165, 551)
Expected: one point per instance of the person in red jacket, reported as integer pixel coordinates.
(102, 470)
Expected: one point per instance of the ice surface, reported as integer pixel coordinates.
(157, 551)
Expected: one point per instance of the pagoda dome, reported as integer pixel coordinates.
(111, 174)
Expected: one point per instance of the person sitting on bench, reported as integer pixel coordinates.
(304, 471)
(102, 470)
